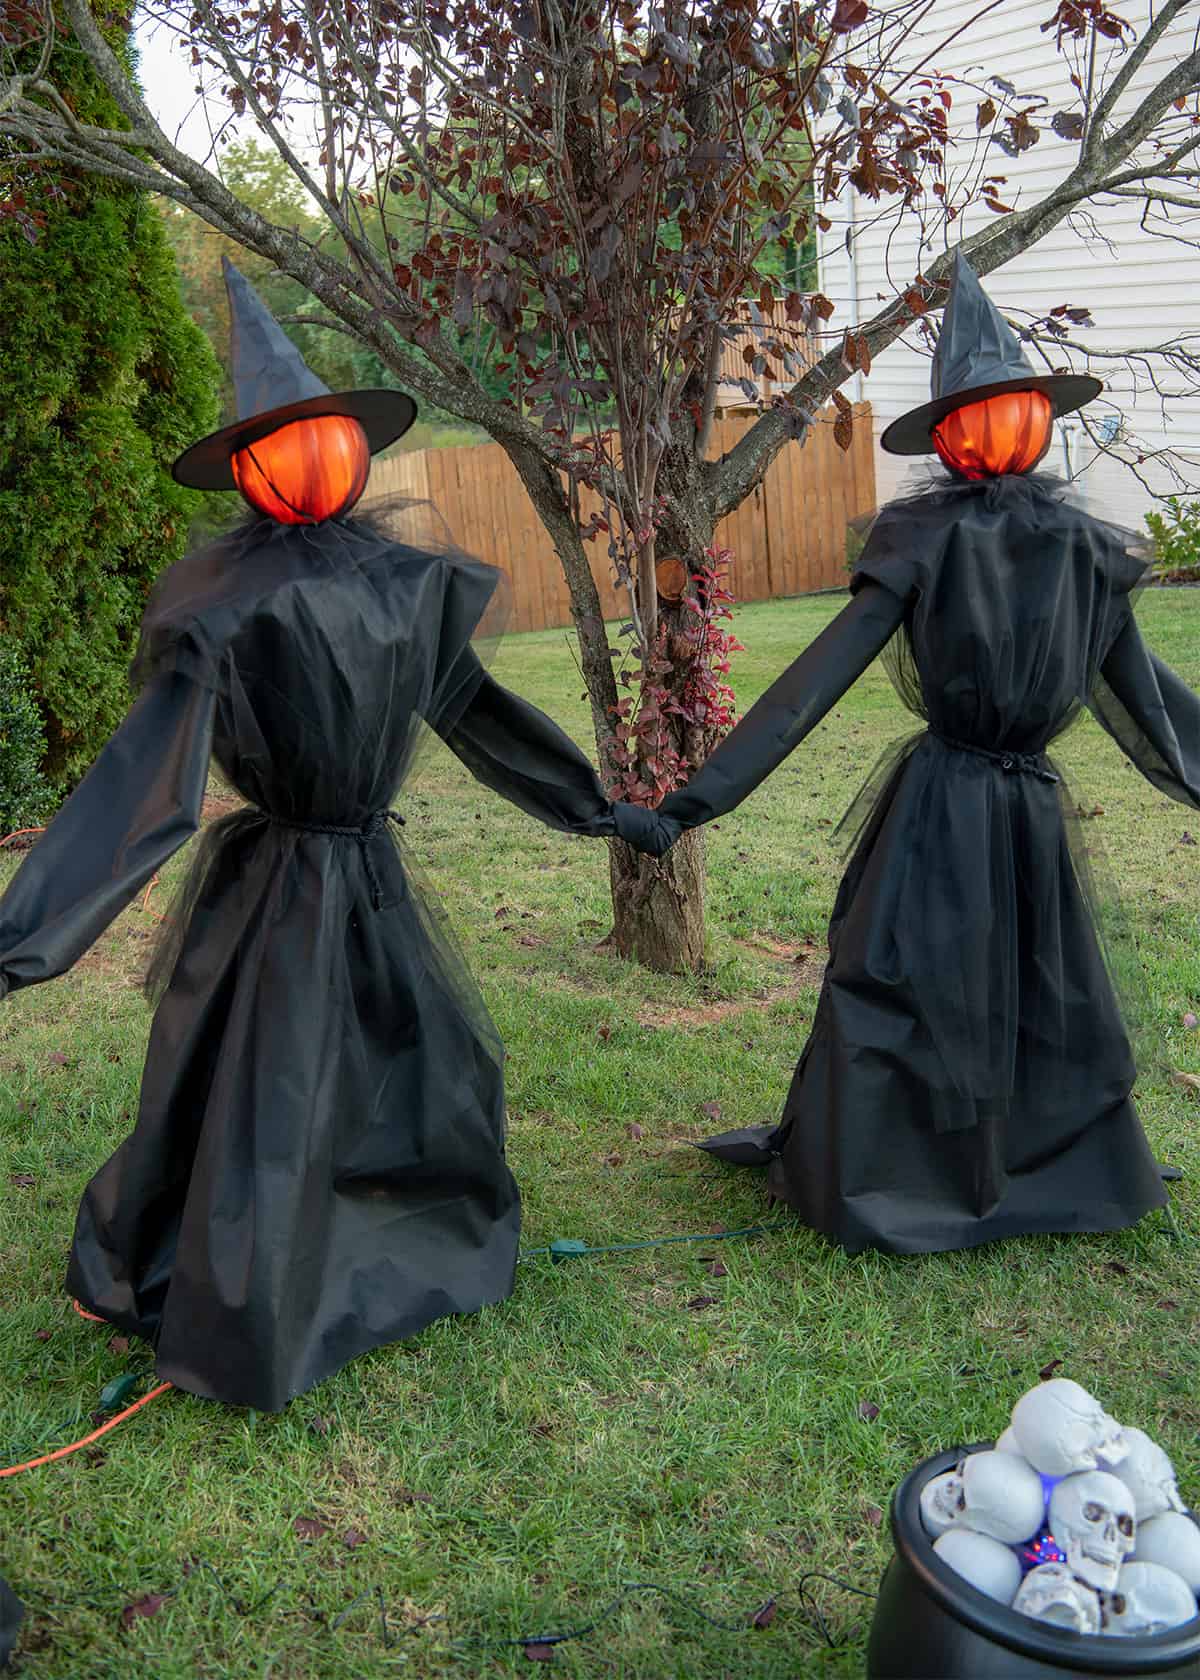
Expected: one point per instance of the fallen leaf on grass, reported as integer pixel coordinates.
(530, 939)
(868, 1411)
(42, 1335)
(354, 1537)
(407, 1496)
(118, 1344)
(1047, 1371)
(636, 1132)
(537, 1652)
(1166, 1304)
(718, 1268)
(310, 1528)
(142, 1608)
(699, 1302)
(604, 1034)
(319, 1425)
(1117, 1266)
(60, 1060)
(764, 1615)
(1186, 839)
(711, 1110)
(873, 1515)
(1189, 1020)
(23, 1181)
(1188, 1083)
(612, 1160)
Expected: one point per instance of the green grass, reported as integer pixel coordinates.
(510, 1471)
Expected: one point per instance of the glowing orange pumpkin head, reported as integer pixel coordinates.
(1005, 434)
(306, 471)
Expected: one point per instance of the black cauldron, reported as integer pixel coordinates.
(930, 1624)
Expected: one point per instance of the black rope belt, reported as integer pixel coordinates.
(370, 830)
(1014, 763)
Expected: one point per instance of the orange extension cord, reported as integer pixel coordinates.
(49, 1458)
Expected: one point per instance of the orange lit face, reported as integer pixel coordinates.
(1005, 434)
(306, 471)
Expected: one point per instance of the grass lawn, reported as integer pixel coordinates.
(718, 1429)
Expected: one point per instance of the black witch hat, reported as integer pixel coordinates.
(978, 356)
(274, 386)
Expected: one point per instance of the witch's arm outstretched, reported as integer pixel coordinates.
(517, 751)
(1152, 715)
(775, 725)
(136, 806)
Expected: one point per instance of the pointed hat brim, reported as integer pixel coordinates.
(911, 433)
(383, 414)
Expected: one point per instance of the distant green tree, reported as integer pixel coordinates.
(104, 378)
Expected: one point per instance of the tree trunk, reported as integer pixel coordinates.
(658, 906)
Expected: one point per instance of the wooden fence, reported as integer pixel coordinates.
(788, 537)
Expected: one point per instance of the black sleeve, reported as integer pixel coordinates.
(776, 724)
(136, 806)
(520, 753)
(1152, 714)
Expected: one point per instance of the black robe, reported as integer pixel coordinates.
(11, 1612)
(968, 1075)
(318, 1163)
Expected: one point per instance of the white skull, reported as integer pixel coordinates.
(939, 1503)
(1148, 1474)
(986, 1563)
(1000, 1496)
(1091, 1519)
(1050, 1593)
(1148, 1599)
(1173, 1540)
(1061, 1429)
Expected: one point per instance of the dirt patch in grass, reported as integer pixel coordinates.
(803, 968)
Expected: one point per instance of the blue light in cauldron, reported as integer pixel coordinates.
(1043, 1548)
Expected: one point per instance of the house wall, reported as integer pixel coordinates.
(1140, 288)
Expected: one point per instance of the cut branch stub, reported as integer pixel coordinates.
(671, 576)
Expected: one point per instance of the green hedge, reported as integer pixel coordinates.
(103, 380)
(26, 798)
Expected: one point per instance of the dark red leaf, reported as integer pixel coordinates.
(1047, 1371)
(537, 1651)
(873, 1515)
(604, 1034)
(636, 1132)
(42, 1335)
(1116, 1266)
(319, 1425)
(409, 1496)
(764, 1615)
(699, 1302)
(849, 14)
(868, 1411)
(23, 1181)
(1068, 124)
(354, 1537)
(58, 1058)
(711, 1110)
(118, 1344)
(310, 1528)
(142, 1608)
(984, 115)
(718, 1268)
(1167, 1304)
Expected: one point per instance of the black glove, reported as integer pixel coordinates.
(645, 830)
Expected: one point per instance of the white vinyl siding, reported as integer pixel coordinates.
(1141, 288)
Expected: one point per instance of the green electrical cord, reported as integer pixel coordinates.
(570, 1248)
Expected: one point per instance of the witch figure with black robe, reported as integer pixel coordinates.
(318, 1163)
(968, 1076)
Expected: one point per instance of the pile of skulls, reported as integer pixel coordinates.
(1070, 1519)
